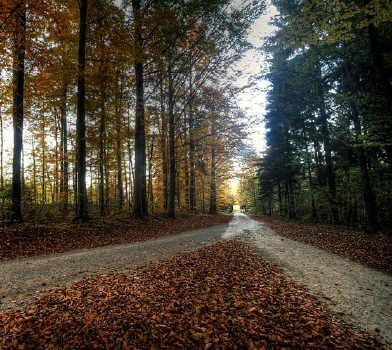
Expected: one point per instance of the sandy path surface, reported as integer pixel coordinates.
(360, 295)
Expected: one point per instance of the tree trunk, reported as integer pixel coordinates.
(164, 147)
(192, 198)
(120, 200)
(368, 194)
(130, 167)
(101, 154)
(43, 184)
(34, 170)
(56, 167)
(327, 147)
(150, 188)
(1, 152)
(17, 112)
(81, 213)
(212, 178)
(172, 180)
(64, 150)
(140, 207)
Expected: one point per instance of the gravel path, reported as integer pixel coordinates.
(360, 295)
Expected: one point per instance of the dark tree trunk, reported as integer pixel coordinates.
(311, 190)
(150, 187)
(120, 201)
(281, 208)
(327, 147)
(192, 198)
(64, 151)
(130, 167)
(291, 199)
(186, 168)
(213, 183)
(81, 213)
(140, 201)
(17, 112)
(172, 180)
(164, 147)
(101, 154)
(368, 194)
(1, 152)
(34, 170)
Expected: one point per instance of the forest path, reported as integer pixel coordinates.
(360, 295)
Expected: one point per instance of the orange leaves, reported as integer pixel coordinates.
(201, 305)
(25, 240)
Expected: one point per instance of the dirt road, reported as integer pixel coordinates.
(360, 295)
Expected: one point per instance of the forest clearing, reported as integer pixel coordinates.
(198, 174)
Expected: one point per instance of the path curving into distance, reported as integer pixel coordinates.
(360, 295)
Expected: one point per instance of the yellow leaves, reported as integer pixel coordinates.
(333, 20)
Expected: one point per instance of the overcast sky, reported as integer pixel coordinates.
(253, 100)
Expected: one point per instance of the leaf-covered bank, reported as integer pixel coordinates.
(24, 240)
(218, 297)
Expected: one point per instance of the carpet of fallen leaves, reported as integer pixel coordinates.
(29, 240)
(222, 296)
(373, 250)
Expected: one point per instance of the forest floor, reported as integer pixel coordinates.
(217, 294)
(372, 250)
(61, 235)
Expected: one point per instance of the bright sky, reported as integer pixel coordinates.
(253, 100)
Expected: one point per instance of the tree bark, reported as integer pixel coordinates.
(172, 180)
(120, 201)
(327, 147)
(34, 170)
(64, 150)
(1, 151)
(17, 113)
(164, 147)
(140, 202)
(101, 154)
(212, 178)
(192, 198)
(81, 213)
(368, 193)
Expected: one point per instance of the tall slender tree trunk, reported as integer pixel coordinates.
(56, 164)
(313, 203)
(280, 200)
(212, 177)
(150, 187)
(101, 153)
(130, 167)
(120, 199)
(43, 184)
(186, 168)
(164, 147)
(17, 112)
(192, 198)
(1, 151)
(381, 75)
(140, 201)
(369, 197)
(82, 212)
(172, 180)
(34, 170)
(64, 150)
(327, 147)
